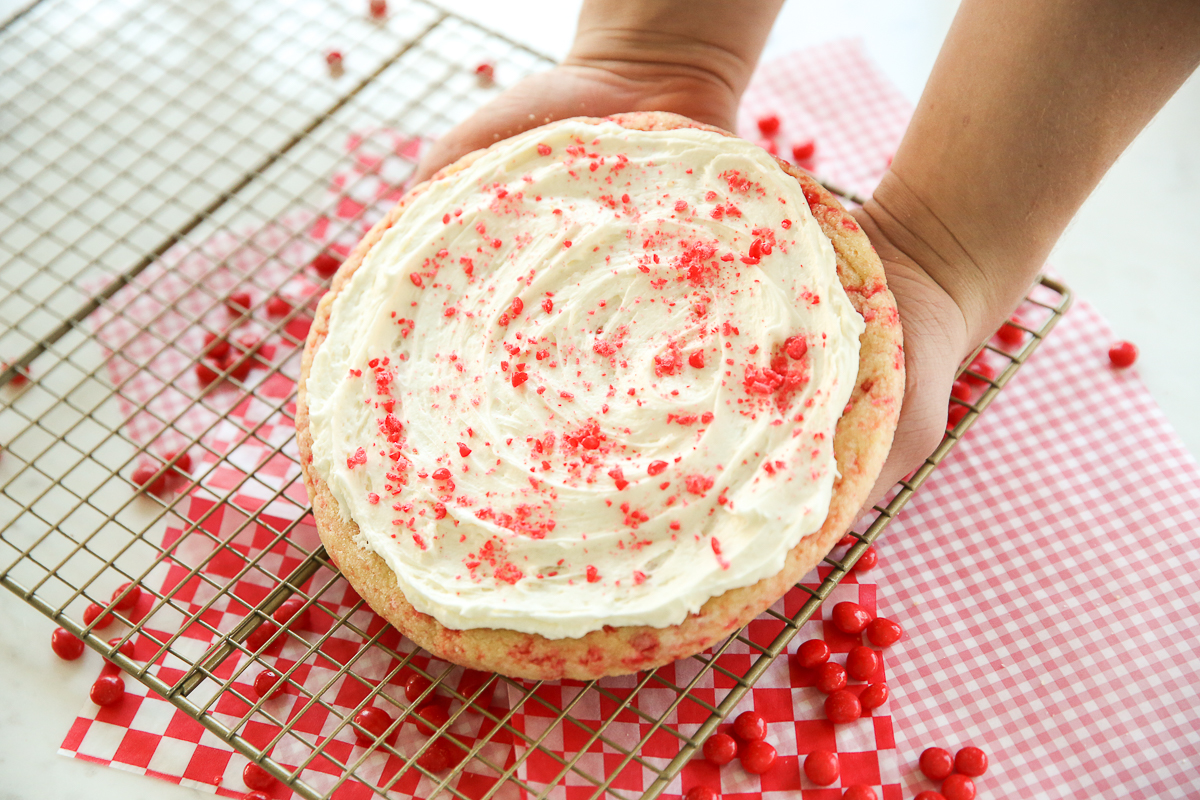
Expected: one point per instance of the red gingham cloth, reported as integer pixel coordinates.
(1042, 574)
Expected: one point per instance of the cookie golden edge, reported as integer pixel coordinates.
(862, 440)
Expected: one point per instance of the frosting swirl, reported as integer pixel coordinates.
(591, 379)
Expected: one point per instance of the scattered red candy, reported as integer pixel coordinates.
(1010, 334)
(750, 727)
(215, 347)
(867, 560)
(936, 763)
(757, 757)
(812, 654)
(847, 540)
(831, 677)
(92, 613)
(928, 795)
(377, 9)
(184, 462)
(261, 634)
(769, 125)
(125, 649)
(700, 793)
(850, 617)
(1123, 354)
(255, 777)
(292, 610)
(862, 663)
(821, 767)
(415, 686)
(860, 792)
(719, 750)
(65, 644)
(18, 380)
(144, 476)
(130, 600)
(883, 632)
(374, 722)
(256, 795)
(971, 761)
(326, 264)
(429, 718)
(842, 706)
(205, 374)
(955, 415)
(872, 697)
(961, 390)
(438, 758)
(239, 370)
(238, 302)
(278, 307)
(805, 150)
(267, 683)
(985, 373)
(958, 787)
(107, 690)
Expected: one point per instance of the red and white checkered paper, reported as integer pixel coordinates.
(1042, 574)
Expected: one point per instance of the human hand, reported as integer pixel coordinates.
(936, 340)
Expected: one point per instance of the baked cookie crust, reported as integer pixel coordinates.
(861, 443)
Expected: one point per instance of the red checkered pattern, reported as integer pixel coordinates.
(1042, 576)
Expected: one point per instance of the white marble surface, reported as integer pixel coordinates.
(1134, 243)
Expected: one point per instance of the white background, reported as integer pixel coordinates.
(1131, 251)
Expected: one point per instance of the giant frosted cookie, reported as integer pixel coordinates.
(591, 399)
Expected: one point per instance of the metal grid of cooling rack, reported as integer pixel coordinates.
(161, 157)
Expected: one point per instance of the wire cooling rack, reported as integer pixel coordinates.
(157, 156)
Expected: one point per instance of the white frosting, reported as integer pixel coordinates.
(628, 251)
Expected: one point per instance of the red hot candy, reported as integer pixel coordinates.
(860, 792)
(812, 654)
(720, 749)
(108, 690)
(1123, 354)
(430, 718)
(769, 125)
(883, 632)
(65, 644)
(255, 777)
(266, 683)
(831, 676)
(850, 618)
(438, 758)
(415, 686)
(92, 613)
(700, 793)
(805, 150)
(867, 560)
(842, 706)
(757, 757)
(958, 787)
(936, 763)
(130, 600)
(875, 695)
(373, 721)
(750, 727)
(821, 767)
(971, 761)
(862, 663)
(927, 795)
